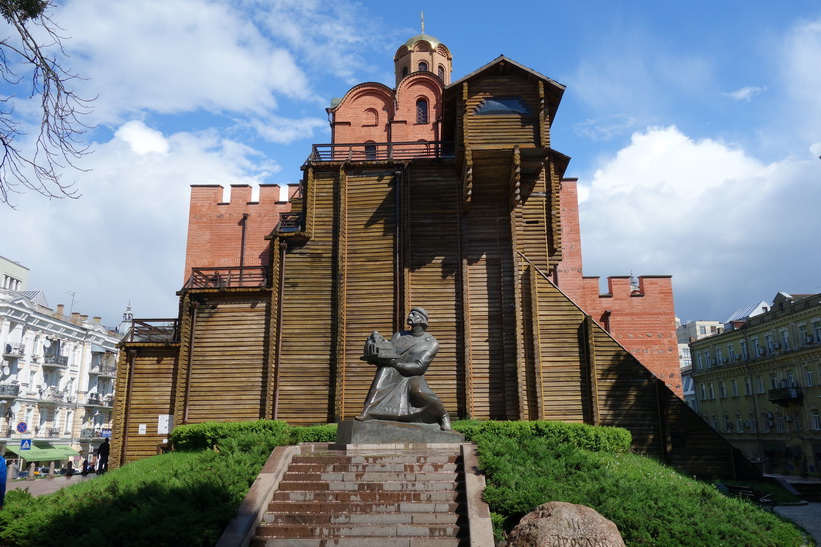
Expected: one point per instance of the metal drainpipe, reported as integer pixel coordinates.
(195, 306)
(242, 245)
(283, 246)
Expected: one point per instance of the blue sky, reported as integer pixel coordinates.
(694, 129)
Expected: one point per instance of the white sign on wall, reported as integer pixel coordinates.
(142, 429)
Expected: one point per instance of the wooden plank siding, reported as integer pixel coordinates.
(147, 373)
(502, 131)
(370, 225)
(434, 209)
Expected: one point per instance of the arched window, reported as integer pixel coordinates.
(371, 117)
(370, 150)
(441, 72)
(404, 71)
(423, 66)
(422, 111)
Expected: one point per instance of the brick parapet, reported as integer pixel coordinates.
(215, 226)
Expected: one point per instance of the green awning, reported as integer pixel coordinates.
(42, 454)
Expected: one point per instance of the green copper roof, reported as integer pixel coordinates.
(427, 37)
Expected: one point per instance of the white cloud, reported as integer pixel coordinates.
(142, 139)
(124, 239)
(801, 51)
(726, 226)
(175, 56)
(745, 93)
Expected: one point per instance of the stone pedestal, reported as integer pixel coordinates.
(387, 432)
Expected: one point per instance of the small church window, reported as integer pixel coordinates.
(423, 66)
(441, 72)
(422, 111)
(404, 71)
(371, 117)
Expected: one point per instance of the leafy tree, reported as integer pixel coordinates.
(32, 63)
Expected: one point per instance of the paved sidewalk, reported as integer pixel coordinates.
(38, 487)
(806, 516)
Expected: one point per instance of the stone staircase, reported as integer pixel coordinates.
(369, 496)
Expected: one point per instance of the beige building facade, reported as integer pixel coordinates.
(757, 383)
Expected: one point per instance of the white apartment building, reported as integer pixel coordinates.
(57, 377)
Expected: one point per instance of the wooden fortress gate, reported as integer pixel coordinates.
(467, 228)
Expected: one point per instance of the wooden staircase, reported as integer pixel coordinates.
(374, 496)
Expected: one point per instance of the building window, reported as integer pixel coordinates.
(11, 283)
(735, 387)
(773, 380)
(740, 424)
(719, 357)
(371, 118)
(698, 361)
(816, 329)
(744, 354)
(757, 351)
(753, 424)
(423, 66)
(760, 384)
(770, 343)
(707, 358)
(702, 329)
(731, 352)
(422, 111)
(441, 72)
(803, 338)
(785, 340)
(404, 71)
(748, 386)
(703, 393)
(779, 423)
(370, 151)
(712, 392)
(722, 390)
(816, 419)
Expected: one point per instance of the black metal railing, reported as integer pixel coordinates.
(56, 360)
(154, 330)
(225, 278)
(14, 350)
(781, 395)
(381, 151)
(12, 390)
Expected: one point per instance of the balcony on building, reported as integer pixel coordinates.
(227, 278)
(14, 351)
(89, 433)
(95, 399)
(9, 390)
(786, 395)
(52, 395)
(380, 151)
(55, 361)
(154, 330)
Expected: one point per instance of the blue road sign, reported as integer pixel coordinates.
(25, 444)
(22, 427)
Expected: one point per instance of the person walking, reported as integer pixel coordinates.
(102, 457)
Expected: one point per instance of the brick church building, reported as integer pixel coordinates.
(440, 193)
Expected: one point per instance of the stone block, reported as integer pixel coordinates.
(386, 432)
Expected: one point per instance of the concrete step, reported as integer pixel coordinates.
(395, 467)
(356, 542)
(375, 530)
(404, 516)
(369, 496)
(356, 486)
(367, 476)
(376, 459)
(342, 507)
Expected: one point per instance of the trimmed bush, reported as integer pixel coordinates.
(598, 439)
(209, 435)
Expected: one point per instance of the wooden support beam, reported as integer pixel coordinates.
(592, 372)
(341, 295)
(536, 341)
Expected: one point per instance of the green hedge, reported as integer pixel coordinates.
(598, 439)
(211, 435)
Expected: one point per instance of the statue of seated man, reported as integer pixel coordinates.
(399, 391)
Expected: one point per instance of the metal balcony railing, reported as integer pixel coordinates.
(225, 278)
(381, 151)
(784, 395)
(55, 360)
(12, 390)
(105, 371)
(154, 330)
(14, 350)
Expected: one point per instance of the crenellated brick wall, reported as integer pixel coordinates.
(215, 226)
(641, 318)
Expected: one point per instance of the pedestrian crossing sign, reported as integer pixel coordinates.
(25, 444)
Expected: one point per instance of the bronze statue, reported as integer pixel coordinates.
(399, 391)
